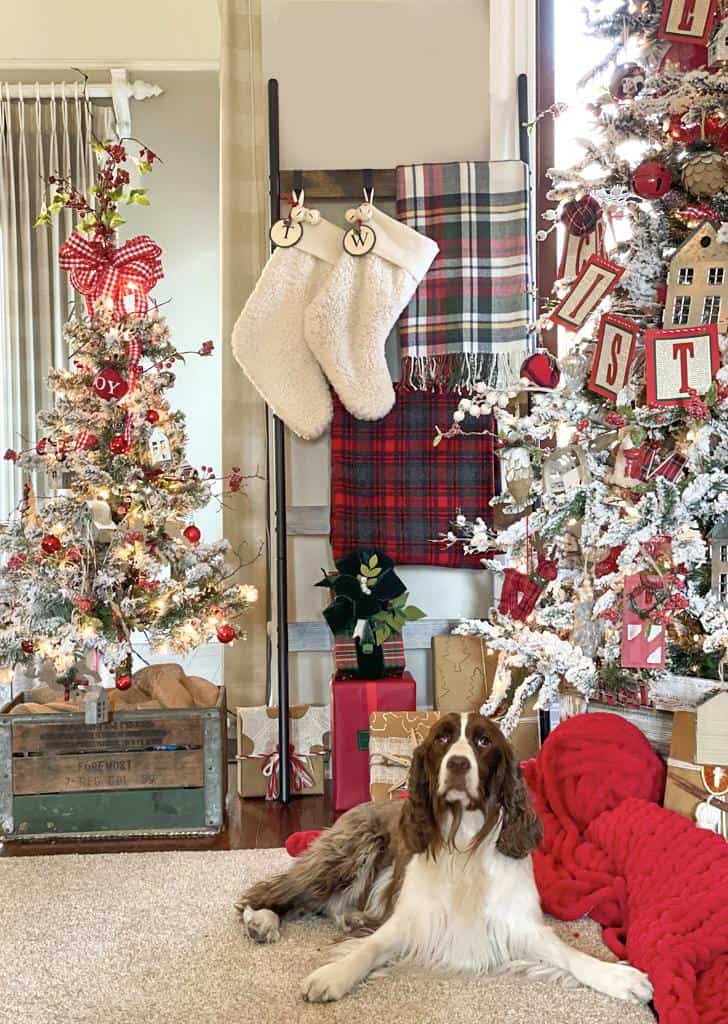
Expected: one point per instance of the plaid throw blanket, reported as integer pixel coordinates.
(391, 489)
(468, 319)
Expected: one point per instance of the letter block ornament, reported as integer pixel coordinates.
(613, 356)
(680, 363)
(687, 21)
(595, 281)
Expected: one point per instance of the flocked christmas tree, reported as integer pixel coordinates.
(615, 573)
(108, 549)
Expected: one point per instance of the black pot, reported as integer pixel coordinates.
(370, 665)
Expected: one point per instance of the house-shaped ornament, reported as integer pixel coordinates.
(718, 47)
(718, 538)
(711, 732)
(697, 281)
(96, 708)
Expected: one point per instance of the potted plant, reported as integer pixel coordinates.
(369, 603)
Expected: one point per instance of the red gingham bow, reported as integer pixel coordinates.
(99, 273)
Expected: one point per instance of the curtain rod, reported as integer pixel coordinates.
(120, 90)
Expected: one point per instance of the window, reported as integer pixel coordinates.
(723, 586)
(711, 309)
(686, 275)
(716, 275)
(681, 310)
(724, 552)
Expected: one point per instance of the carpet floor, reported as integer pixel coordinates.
(153, 938)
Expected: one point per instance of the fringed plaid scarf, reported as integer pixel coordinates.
(468, 320)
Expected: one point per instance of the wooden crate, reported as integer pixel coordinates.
(160, 772)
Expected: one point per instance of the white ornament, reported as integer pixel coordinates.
(103, 526)
(160, 453)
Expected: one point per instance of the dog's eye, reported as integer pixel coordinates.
(482, 741)
(443, 738)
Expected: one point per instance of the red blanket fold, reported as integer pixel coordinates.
(656, 883)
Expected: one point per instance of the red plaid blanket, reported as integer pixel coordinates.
(391, 489)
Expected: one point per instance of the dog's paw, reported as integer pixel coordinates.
(627, 983)
(262, 925)
(327, 984)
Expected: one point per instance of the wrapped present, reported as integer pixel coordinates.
(259, 757)
(635, 696)
(697, 791)
(393, 736)
(345, 660)
(463, 672)
(352, 702)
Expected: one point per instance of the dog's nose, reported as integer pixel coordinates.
(458, 764)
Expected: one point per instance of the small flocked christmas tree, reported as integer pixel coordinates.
(108, 549)
(615, 574)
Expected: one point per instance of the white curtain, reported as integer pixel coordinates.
(512, 53)
(38, 138)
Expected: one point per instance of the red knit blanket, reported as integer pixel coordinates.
(657, 884)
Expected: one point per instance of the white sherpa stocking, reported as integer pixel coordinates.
(347, 323)
(268, 338)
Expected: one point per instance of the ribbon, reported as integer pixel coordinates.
(388, 759)
(133, 355)
(301, 777)
(100, 272)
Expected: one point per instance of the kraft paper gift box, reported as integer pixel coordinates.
(258, 768)
(393, 736)
(352, 702)
(697, 791)
(463, 671)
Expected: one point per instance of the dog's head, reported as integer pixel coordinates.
(466, 763)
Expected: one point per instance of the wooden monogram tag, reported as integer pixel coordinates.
(286, 233)
(358, 241)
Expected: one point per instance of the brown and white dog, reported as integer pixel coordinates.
(443, 879)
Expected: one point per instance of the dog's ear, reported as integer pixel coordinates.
(522, 830)
(417, 824)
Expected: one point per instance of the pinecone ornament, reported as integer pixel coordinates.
(705, 173)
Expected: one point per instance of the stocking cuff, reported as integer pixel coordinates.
(322, 240)
(402, 245)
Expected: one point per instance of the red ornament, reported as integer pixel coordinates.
(109, 384)
(28, 646)
(152, 416)
(581, 216)
(542, 369)
(42, 445)
(716, 131)
(685, 56)
(679, 132)
(123, 682)
(225, 634)
(651, 180)
(192, 534)
(118, 444)
(73, 554)
(627, 81)
(84, 604)
(50, 544)
(519, 595)
(87, 442)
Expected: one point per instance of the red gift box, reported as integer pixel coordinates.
(352, 701)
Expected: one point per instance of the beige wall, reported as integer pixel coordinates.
(83, 31)
(374, 84)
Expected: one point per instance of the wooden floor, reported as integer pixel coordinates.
(251, 824)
